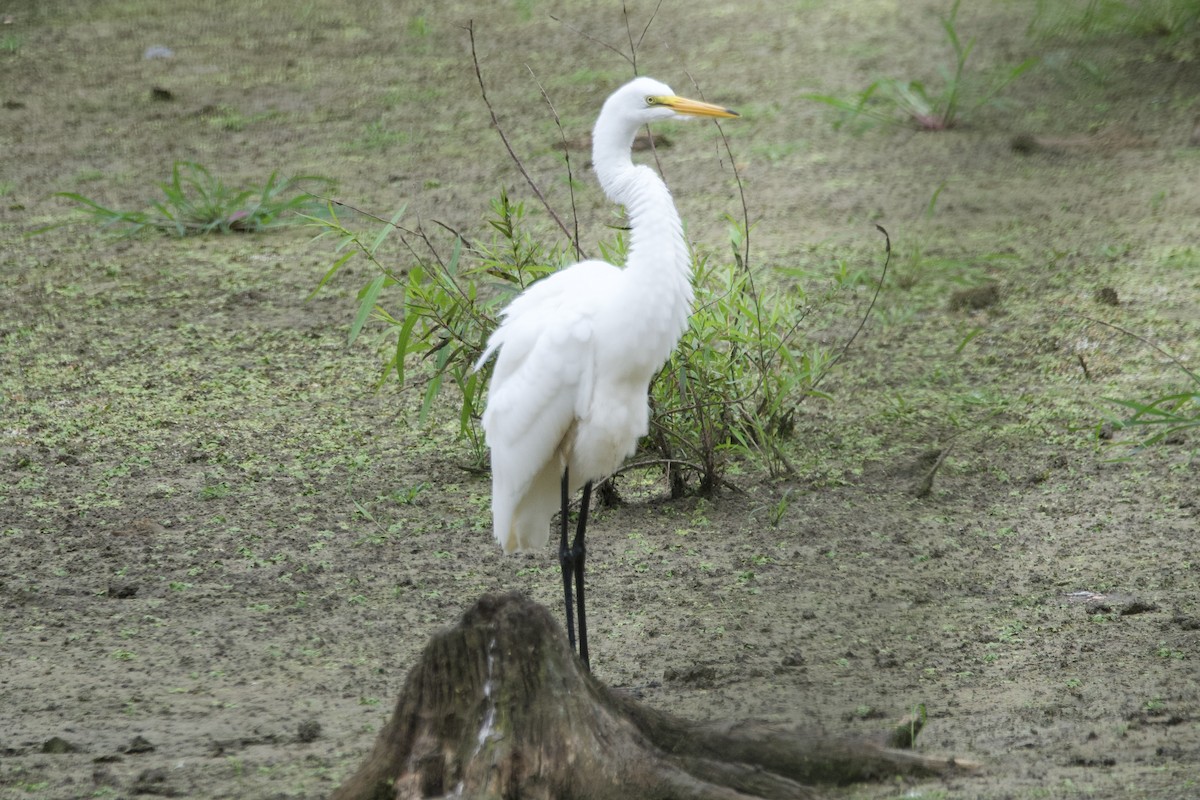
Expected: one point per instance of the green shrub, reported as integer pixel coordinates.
(731, 386)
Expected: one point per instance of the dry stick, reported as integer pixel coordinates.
(650, 21)
(395, 226)
(924, 487)
(600, 42)
(470, 26)
(1083, 365)
(357, 210)
(632, 45)
(567, 158)
(635, 46)
(1144, 341)
(863, 322)
(467, 243)
(737, 176)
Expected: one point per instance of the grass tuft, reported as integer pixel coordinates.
(197, 202)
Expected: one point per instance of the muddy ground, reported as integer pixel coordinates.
(221, 548)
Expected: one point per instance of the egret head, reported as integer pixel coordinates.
(645, 100)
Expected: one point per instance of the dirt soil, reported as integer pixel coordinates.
(221, 548)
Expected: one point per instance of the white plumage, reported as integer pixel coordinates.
(577, 350)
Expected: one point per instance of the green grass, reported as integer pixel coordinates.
(229, 118)
(1160, 418)
(930, 107)
(1160, 18)
(197, 202)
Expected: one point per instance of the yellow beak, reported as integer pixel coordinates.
(696, 108)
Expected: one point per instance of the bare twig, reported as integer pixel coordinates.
(924, 486)
(629, 36)
(590, 38)
(467, 243)
(447, 281)
(674, 462)
(745, 255)
(1083, 365)
(1146, 342)
(638, 46)
(635, 46)
(863, 322)
(500, 130)
(567, 158)
(355, 209)
(737, 176)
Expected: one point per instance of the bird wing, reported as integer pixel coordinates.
(542, 383)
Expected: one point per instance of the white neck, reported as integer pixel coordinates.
(658, 262)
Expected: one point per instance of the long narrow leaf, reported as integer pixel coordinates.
(337, 265)
(386, 229)
(431, 393)
(402, 346)
(466, 413)
(367, 299)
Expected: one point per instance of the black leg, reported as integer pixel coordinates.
(565, 561)
(578, 551)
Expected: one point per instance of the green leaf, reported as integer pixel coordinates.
(402, 346)
(367, 298)
(431, 393)
(337, 265)
(386, 230)
(466, 413)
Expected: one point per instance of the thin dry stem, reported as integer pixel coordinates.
(470, 26)
(567, 158)
(863, 322)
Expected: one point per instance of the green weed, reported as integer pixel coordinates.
(408, 496)
(1163, 651)
(418, 26)
(775, 513)
(931, 108)
(1165, 418)
(215, 491)
(377, 136)
(197, 202)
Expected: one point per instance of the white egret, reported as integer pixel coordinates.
(568, 399)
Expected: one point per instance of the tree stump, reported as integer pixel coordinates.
(500, 707)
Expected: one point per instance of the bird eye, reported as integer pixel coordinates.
(651, 100)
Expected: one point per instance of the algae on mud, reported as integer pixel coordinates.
(212, 535)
